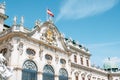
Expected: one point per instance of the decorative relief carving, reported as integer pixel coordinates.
(84, 74)
(31, 57)
(20, 48)
(76, 73)
(6, 48)
(10, 49)
(89, 76)
(69, 62)
(41, 52)
(42, 34)
(15, 40)
(4, 52)
(49, 36)
(56, 58)
(72, 70)
(49, 62)
(63, 65)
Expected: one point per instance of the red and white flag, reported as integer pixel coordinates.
(50, 13)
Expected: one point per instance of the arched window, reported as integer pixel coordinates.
(29, 71)
(75, 58)
(48, 73)
(63, 75)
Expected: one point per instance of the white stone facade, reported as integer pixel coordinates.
(45, 45)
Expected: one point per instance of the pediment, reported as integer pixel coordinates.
(49, 34)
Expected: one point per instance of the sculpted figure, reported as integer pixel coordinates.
(5, 71)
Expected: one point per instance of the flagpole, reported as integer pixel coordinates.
(46, 14)
(50, 15)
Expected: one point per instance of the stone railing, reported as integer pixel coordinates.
(76, 45)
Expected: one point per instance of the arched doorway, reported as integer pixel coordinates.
(48, 73)
(29, 71)
(63, 75)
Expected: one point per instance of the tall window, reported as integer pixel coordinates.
(75, 58)
(87, 62)
(48, 73)
(29, 71)
(63, 75)
(83, 78)
(81, 60)
(76, 77)
(88, 78)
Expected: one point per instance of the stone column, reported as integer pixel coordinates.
(39, 76)
(69, 78)
(56, 77)
(19, 75)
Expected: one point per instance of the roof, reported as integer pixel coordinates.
(109, 64)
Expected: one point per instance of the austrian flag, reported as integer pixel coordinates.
(50, 13)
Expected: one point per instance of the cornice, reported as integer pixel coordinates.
(114, 73)
(4, 16)
(24, 35)
(79, 50)
(88, 69)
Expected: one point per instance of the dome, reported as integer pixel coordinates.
(109, 65)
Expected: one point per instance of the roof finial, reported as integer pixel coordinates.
(38, 23)
(109, 58)
(14, 20)
(22, 21)
(2, 8)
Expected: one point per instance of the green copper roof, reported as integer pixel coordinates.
(110, 65)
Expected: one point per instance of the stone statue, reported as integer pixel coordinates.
(38, 23)
(22, 20)
(14, 20)
(5, 71)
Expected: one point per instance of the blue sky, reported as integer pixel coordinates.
(93, 23)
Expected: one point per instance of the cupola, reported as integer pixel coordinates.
(110, 65)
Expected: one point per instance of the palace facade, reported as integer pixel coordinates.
(45, 54)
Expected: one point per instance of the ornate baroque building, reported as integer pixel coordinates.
(45, 54)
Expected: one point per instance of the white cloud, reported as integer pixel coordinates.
(76, 9)
(105, 49)
(114, 60)
(100, 45)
